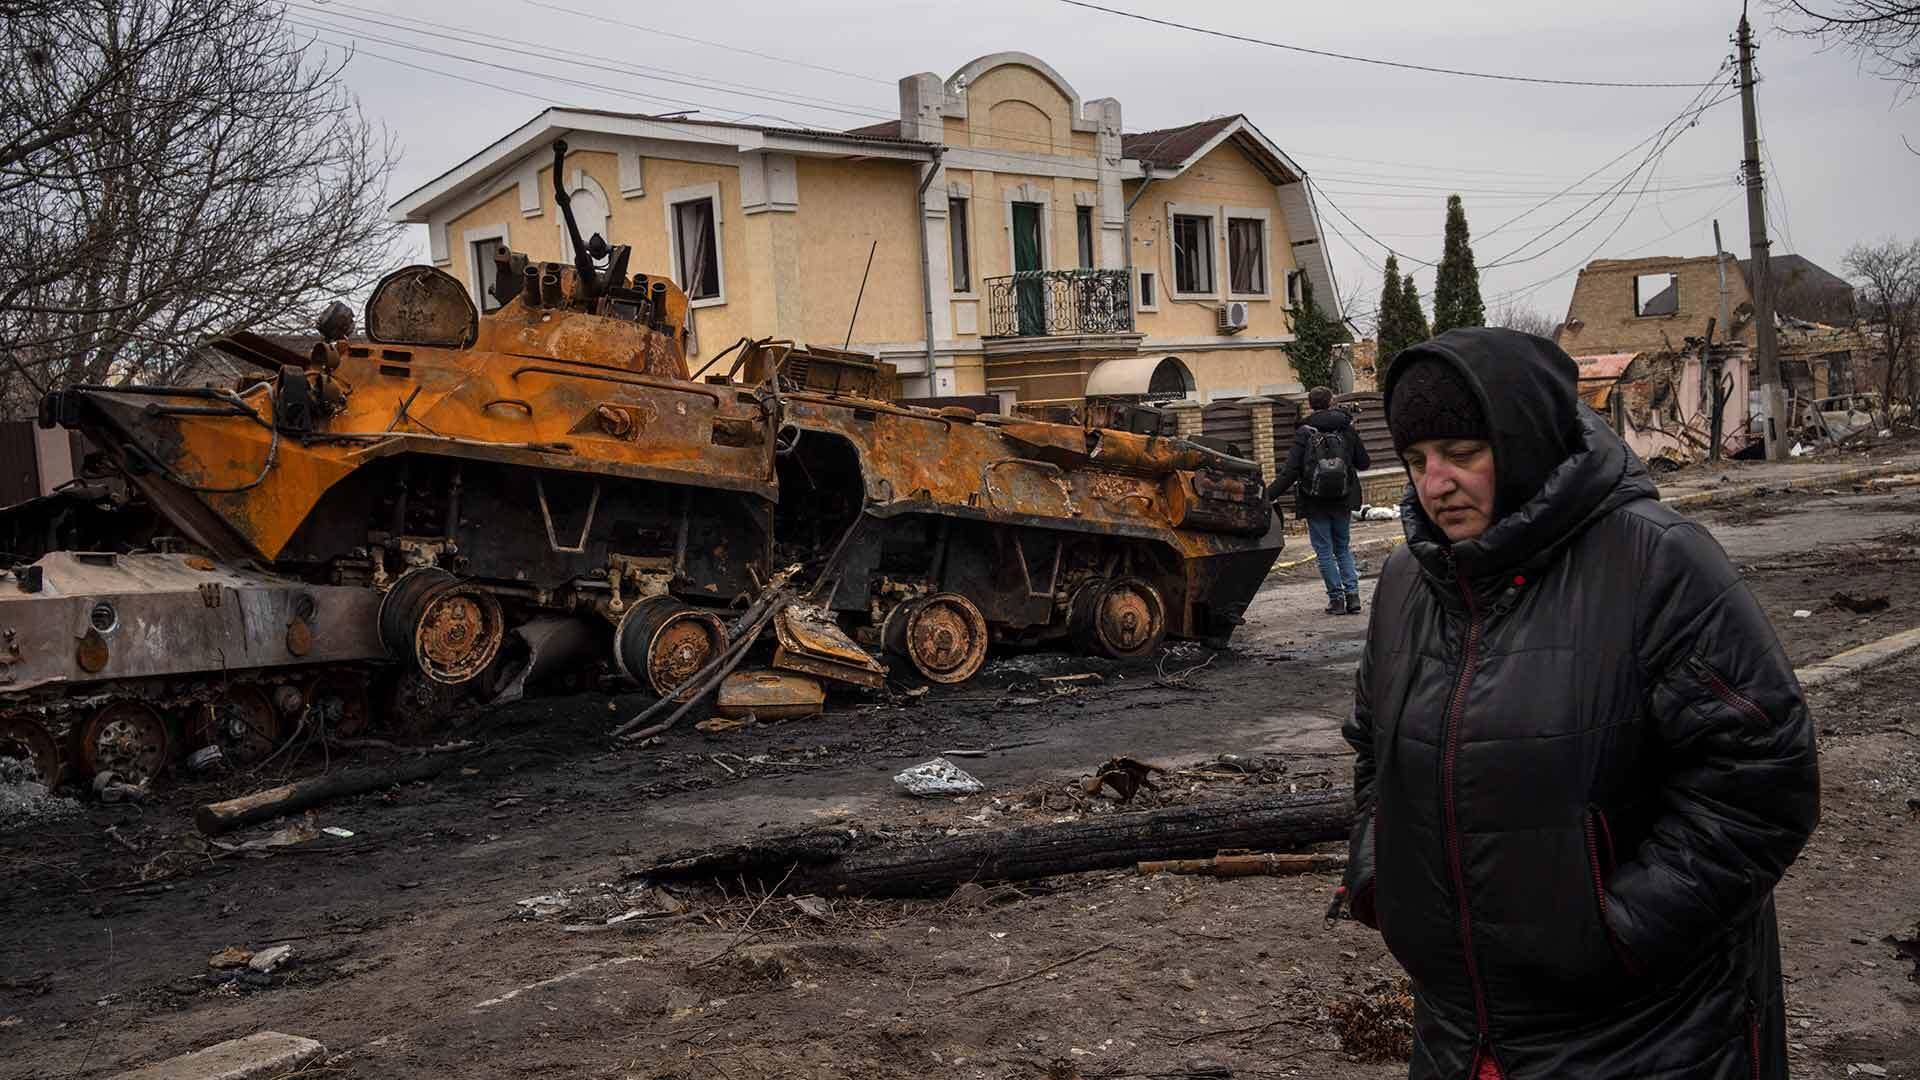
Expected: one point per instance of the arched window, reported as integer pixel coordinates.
(1170, 379)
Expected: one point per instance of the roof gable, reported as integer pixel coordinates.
(1174, 150)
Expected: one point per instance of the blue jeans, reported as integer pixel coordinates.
(1330, 535)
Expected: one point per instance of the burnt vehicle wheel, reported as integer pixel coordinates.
(1123, 619)
(244, 724)
(451, 630)
(126, 738)
(943, 636)
(662, 642)
(30, 741)
(338, 704)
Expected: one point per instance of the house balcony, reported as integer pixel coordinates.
(1058, 304)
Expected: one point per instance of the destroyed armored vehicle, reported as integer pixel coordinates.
(435, 511)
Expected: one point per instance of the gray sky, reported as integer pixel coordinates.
(1384, 145)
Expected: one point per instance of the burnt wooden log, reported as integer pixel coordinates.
(843, 862)
(216, 818)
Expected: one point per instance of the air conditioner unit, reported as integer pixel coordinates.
(1233, 317)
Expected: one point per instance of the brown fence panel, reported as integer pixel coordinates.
(1371, 422)
(1230, 422)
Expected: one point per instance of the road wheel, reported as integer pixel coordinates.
(943, 636)
(1123, 618)
(126, 738)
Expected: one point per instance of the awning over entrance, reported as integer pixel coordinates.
(1140, 376)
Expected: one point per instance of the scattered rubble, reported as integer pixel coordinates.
(937, 778)
(24, 800)
(1376, 1026)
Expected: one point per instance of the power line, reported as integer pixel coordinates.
(1375, 60)
(704, 41)
(1612, 161)
(489, 41)
(1662, 142)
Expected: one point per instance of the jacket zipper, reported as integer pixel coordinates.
(1597, 831)
(1753, 1040)
(1468, 656)
(1725, 692)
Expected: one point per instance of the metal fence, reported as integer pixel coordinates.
(1045, 303)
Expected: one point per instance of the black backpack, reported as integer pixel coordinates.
(1327, 466)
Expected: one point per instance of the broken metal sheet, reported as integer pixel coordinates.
(770, 695)
(811, 642)
(551, 643)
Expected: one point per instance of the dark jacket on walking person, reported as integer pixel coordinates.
(1583, 761)
(1291, 473)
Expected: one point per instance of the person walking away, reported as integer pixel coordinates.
(1582, 761)
(1323, 468)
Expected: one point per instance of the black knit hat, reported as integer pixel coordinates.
(1431, 399)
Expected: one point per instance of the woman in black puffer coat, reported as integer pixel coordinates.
(1583, 759)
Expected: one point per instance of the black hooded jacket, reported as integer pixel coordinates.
(1583, 762)
(1290, 473)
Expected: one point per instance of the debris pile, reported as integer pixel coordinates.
(24, 800)
(1375, 1026)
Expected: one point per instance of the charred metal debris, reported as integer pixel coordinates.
(390, 528)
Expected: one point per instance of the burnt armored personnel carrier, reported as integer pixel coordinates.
(452, 496)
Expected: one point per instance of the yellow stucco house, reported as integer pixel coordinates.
(1023, 244)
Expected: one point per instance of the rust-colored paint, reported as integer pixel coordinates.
(552, 387)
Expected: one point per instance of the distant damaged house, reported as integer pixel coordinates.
(1658, 402)
(1660, 305)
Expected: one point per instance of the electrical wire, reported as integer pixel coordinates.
(1653, 138)
(703, 41)
(1375, 60)
(1648, 163)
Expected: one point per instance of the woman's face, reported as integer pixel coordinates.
(1454, 480)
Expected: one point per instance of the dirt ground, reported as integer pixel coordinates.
(462, 929)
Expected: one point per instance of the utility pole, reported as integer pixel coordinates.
(1766, 345)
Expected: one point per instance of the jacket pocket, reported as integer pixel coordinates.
(1723, 690)
(1601, 863)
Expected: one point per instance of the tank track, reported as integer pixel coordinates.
(140, 729)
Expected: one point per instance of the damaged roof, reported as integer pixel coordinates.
(1173, 150)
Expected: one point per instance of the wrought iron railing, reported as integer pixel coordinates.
(1044, 303)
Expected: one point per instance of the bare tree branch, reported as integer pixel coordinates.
(171, 170)
(1885, 34)
(1888, 277)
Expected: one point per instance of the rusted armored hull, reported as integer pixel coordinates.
(117, 660)
(472, 500)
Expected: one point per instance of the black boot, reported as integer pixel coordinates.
(1353, 603)
(1337, 605)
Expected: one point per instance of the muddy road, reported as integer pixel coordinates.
(460, 928)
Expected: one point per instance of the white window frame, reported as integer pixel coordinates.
(1229, 214)
(1290, 296)
(1138, 273)
(475, 235)
(694, 193)
(1171, 284)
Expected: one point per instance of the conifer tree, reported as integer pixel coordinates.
(1456, 288)
(1390, 330)
(1415, 319)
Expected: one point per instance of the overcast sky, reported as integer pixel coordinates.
(1383, 145)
